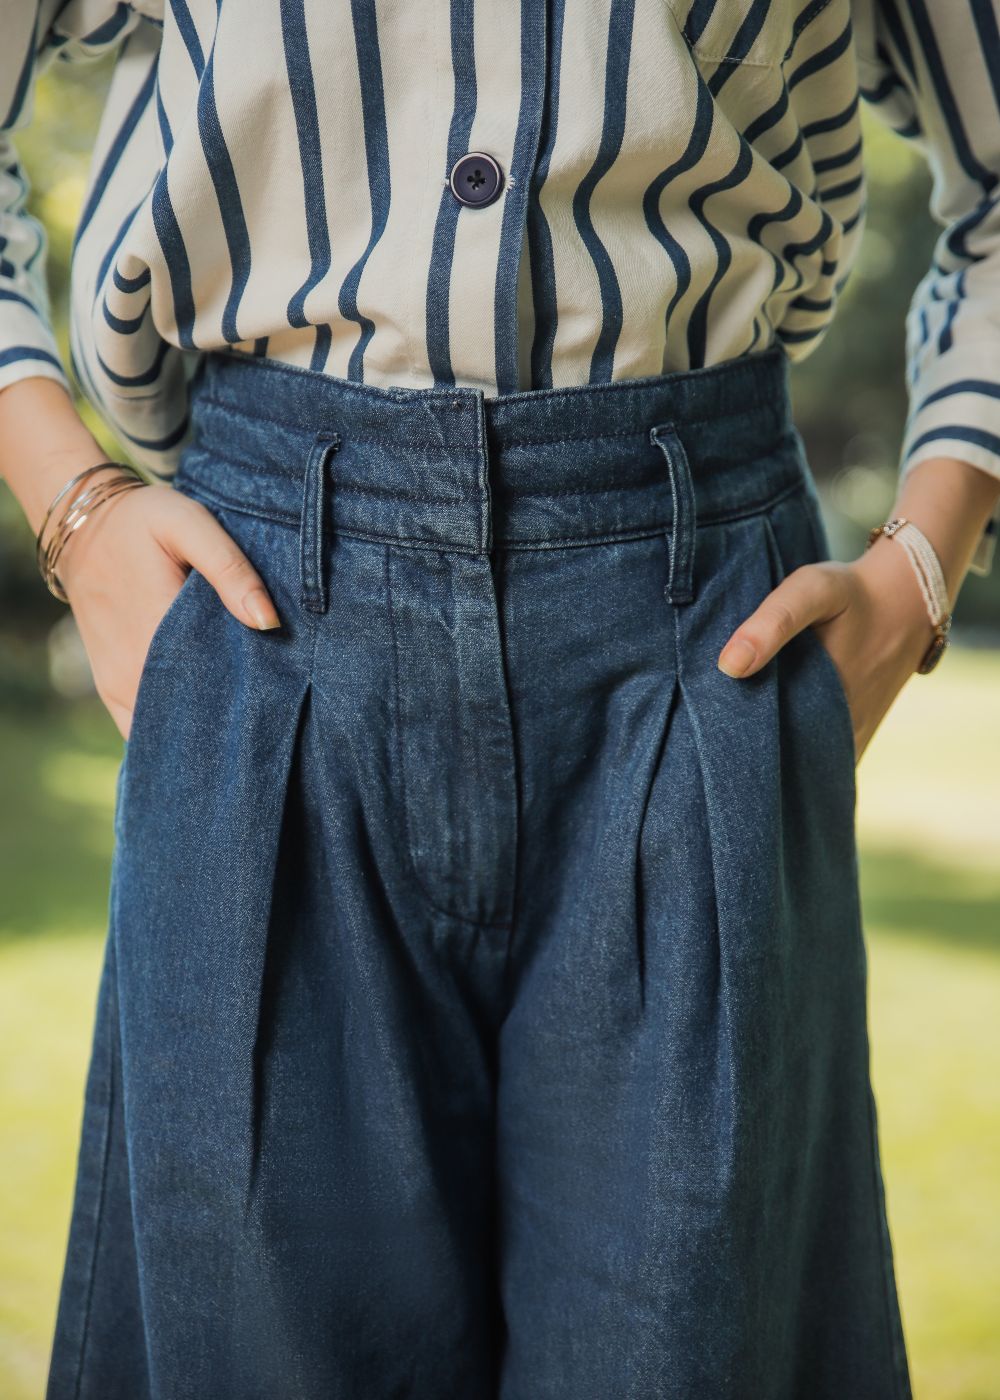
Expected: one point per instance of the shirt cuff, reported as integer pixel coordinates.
(31, 363)
(27, 344)
(958, 415)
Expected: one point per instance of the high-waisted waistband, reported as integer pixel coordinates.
(455, 468)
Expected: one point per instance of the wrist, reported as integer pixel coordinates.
(44, 479)
(890, 579)
(926, 569)
(43, 443)
(950, 501)
(85, 492)
(894, 595)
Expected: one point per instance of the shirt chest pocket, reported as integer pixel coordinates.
(754, 32)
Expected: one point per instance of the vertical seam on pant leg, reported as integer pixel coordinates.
(101, 1195)
(902, 1392)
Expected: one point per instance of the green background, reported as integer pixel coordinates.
(928, 821)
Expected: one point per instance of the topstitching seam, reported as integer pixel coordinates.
(680, 420)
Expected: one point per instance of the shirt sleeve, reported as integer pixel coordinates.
(931, 70)
(34, 33)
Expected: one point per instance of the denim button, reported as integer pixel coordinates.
(476, 179)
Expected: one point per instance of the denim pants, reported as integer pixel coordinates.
(484, 1004)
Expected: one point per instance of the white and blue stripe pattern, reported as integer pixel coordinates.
(683, 184)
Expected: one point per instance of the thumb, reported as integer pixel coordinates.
(810, 593)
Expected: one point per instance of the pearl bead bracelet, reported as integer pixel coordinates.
(927, 567)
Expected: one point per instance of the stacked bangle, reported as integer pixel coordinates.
(932, 585)
(79, 509)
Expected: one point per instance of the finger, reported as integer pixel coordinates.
(808, 594)
(206, 546)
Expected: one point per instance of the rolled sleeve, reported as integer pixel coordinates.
(34, 33)
(933, 73)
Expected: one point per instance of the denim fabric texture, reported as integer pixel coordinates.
(484, 1004)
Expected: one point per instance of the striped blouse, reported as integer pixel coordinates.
(655, 185)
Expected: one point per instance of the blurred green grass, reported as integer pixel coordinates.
(929, 822)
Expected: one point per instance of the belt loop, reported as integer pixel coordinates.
(312, 534)
(484, 470)
(680, 580)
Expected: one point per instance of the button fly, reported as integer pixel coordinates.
(476, 179)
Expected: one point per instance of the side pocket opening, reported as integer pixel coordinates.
(157, 642)
(796, 540)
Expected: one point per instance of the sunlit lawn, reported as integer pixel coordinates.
(929, 817)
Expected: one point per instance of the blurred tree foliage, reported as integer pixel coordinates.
(850, 394)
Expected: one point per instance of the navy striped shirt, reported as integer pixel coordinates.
(681, 182)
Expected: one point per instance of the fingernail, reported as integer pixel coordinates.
(736, 657)
(261, 609)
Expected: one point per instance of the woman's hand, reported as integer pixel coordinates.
(870, 615)
(123, 568)
(125, 565)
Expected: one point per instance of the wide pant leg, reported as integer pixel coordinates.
(691, 1202)
(292, 1194)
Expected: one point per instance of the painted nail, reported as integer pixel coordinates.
(736, 657)
(261, 609)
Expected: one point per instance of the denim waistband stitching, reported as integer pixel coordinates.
(245, 464)
(751, 411)
(209, 495)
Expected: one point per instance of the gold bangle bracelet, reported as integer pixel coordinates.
(73, 481)
(43, 550)
(82, 511)
(78, 506)
(54, 584)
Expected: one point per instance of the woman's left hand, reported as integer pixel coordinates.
(870, 615)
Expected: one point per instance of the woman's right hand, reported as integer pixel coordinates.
(125, 565)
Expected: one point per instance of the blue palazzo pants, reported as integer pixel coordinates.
(484, 1003)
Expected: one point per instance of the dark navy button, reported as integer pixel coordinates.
(476, 179)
